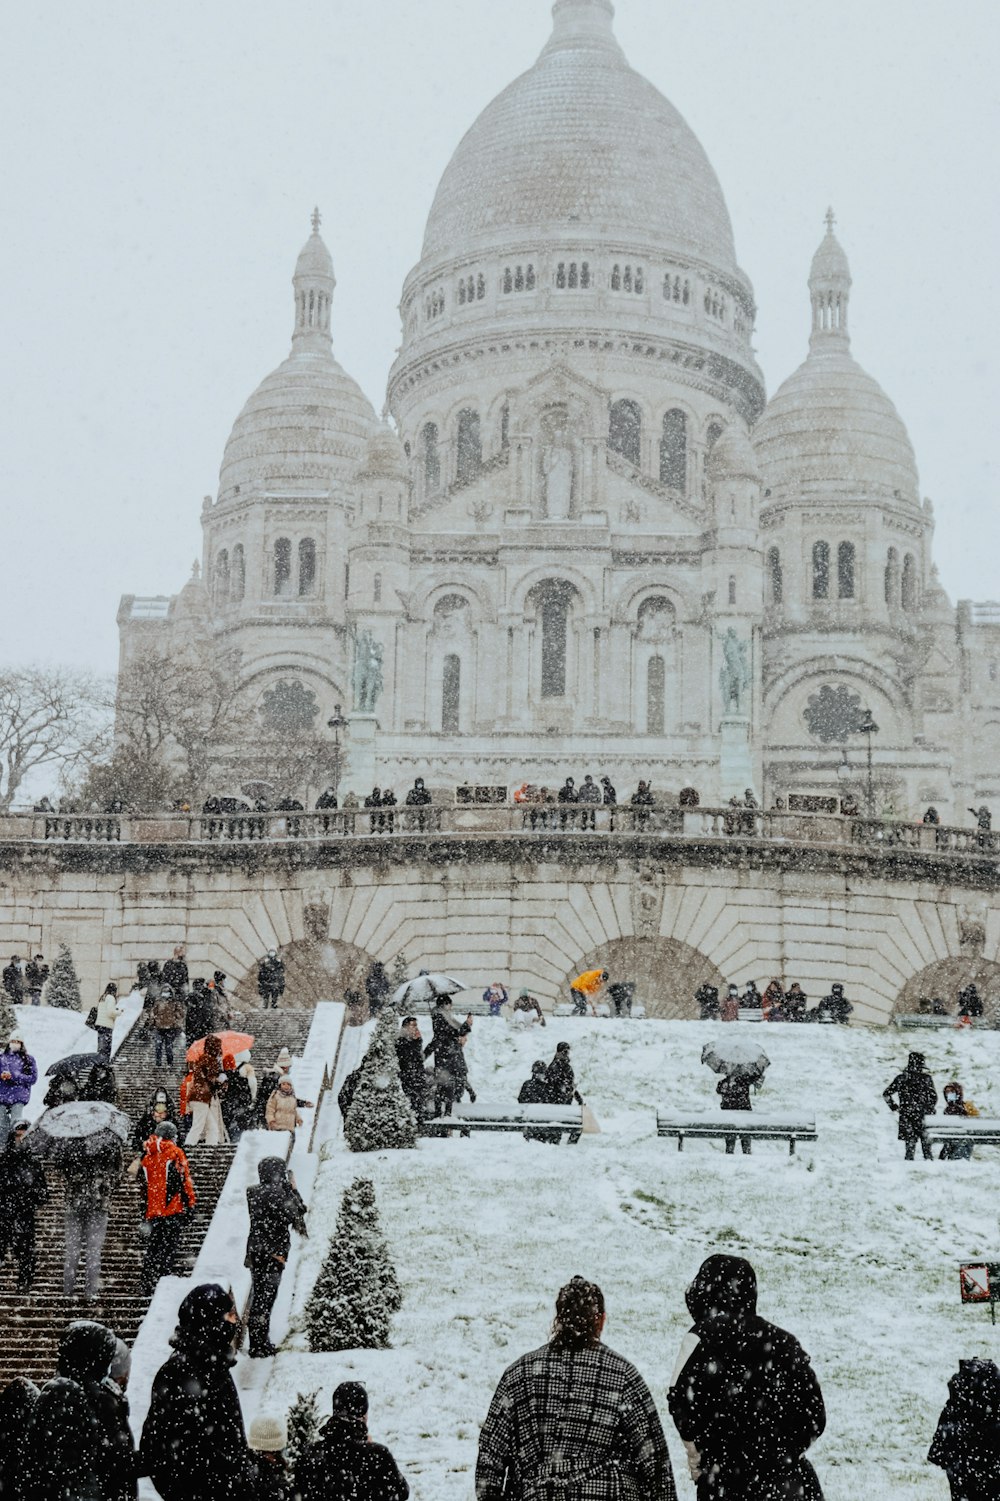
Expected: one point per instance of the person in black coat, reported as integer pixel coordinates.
(735, 1093)
(912, 1093)
(451, 1071)
(275, 1210)
(536, 1091)
(707, 1000)
(17, 1405)
(746, 1398)
(199, 1012)
(412, 1075)
(23, 1190)
(79, 1443)
(343, 1462)
(378, 987)
(175, 972)
(560, 1078)
(966, 1443)
(193, 1440)
(271, 978)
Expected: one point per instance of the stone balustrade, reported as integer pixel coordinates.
(693, 824)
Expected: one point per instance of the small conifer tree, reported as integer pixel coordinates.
(399, 969)
(303, 1427)
(356, 1295)
(8, 1021)
(64, 986)
(381, 1116)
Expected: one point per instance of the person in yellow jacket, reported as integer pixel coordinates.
(584, 988)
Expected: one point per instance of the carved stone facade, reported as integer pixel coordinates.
(583, 496)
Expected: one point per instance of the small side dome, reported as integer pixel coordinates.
(384, 456)
(315, 259)
(732, 454)
(192, 603)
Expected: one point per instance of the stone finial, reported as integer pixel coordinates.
(316, 220)
(195, 571)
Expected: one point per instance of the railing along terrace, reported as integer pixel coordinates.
(512, 819)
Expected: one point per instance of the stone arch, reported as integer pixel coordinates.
(666, 972)
(315, 970)
(945, 977)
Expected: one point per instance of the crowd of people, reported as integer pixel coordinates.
(776, 1003)
(571, 1418)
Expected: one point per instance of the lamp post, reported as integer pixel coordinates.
(336, 724)
(866, 726)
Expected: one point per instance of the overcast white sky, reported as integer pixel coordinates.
(160, 162)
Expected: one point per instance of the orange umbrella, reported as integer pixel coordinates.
(232, 1042)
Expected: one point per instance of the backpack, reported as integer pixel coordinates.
(90, 1020)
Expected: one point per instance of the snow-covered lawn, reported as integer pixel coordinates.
(856, 1251)
(50, 1033)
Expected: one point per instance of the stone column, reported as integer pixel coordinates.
(359, 775)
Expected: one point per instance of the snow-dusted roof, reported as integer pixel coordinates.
(153, 607)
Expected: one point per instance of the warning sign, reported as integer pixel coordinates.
(975, 1282)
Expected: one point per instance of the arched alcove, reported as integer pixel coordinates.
(945, 978)
(315, 970)
(666, 973)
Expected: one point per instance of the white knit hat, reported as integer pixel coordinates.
(284, 1059)
(268, 1433)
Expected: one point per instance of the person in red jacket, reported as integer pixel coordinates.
(169, 1192)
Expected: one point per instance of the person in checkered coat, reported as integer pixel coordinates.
(573, 1421)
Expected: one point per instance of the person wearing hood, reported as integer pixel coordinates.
(745, 1400)
(18, 1072)
(79, 1446)
(276, 1209)
(955, 1103)
(90, 1183)
(451, 1071)
(734, 1090)
(913, 1095)
(535, 1091)
(496, 996)
(17, 1406)
(966, 1443)
(160, 1107)
(165, 1179)
(100, 1084)
(239, 1099)
(969, 1001)
(199, 1015)
(271, 979)
(560, 1078)
(343, 1460)
(193, 1440)
(707, 1000)
(574, 1418)
(412, 1074)
(729, 1010)
(834, 1007)
(526, 1010)
(62, 1089)
(175, 971)
(23, 1190)
(166, 1016)
(378, 987)
(267, 1084)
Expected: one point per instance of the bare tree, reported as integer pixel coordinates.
(49, 717)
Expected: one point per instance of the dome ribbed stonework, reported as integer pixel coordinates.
(581, 143)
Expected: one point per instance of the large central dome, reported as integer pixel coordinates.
(581, 143)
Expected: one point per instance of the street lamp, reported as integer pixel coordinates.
(866, 726)
(336, 724)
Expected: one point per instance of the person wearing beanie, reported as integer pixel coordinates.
(526, 1009)
(536, 1091)
(268, 1441)
(193, 1440)
(343, 1461)
(276, 1209)
(267, 1084)
(744, 1398)
(165, 1185)
(913, 1095)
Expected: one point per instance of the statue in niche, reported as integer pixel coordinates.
(734, 674)
(557, 473)
(367, 675)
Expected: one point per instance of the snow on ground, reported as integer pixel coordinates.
(856, 1251)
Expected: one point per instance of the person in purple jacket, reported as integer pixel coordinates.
(18, 1072)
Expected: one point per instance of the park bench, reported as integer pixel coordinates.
(566, 1119)
(920, 1020)
(790, 1128)
(974, 1128)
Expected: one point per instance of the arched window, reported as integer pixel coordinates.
(673, 450)
(732, 588)
(712, 435)
(821, 570)
(222, 577)
(451, 694)
(555, 622)
(480, 287)
(469, 446)
(625, 431)
(776, 587)
(507, 281)
(845, 570)
(584, 274)
(307, 566)
(238, 586)
(616, 278)
(892, 578)
(505, 426)
(377, 589)
(282, 568)
(432, 460)
(909, 590)
(561, 275)
(573, 278)
(529, 279)
(656, 680)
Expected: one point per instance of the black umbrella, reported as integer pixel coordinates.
(76, 1063)
(77, 1130)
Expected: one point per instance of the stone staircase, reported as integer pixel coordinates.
(34, 1321)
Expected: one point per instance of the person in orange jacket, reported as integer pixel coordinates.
(165, 1178)
(584, 988)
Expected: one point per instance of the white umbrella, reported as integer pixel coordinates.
(78, 1129)
(426, 987)
(735, 1056)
